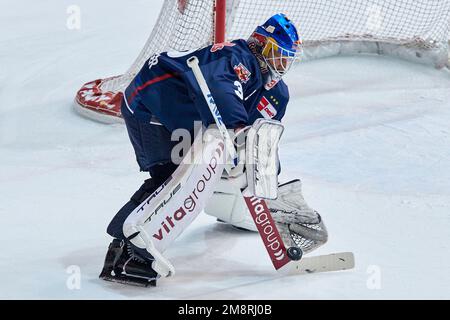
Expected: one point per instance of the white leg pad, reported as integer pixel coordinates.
(166, 213)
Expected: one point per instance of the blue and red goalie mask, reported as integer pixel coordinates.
(279, 43)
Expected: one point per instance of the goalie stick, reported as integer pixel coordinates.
(193, 64)
(283, 259)
(322, 263)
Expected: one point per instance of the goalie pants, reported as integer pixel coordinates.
(152, 146)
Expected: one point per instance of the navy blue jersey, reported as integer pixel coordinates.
(165, 88)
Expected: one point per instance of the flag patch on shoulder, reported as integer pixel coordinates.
(242, 73)
(266, 108)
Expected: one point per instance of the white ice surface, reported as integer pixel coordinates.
(369, 137)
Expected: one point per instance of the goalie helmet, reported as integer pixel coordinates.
(277, 44)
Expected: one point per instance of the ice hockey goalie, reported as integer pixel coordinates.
(164, 99)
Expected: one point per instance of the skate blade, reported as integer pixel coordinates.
(129, 281)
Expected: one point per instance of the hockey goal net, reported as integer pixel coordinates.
(417, 30)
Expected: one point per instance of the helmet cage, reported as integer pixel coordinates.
(279, 59)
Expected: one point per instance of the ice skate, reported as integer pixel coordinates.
(124, 265)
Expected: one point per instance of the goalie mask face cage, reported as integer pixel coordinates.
(279, 59)
(282, 45)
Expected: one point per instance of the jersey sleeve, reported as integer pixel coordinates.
(227, 92)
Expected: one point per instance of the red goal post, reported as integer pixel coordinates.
(416, 30)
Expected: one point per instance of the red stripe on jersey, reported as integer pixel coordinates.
(149, 83)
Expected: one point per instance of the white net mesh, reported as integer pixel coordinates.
(397, 21)
(413, 29)
(181, 25)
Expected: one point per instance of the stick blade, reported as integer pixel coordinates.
(324, 263)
